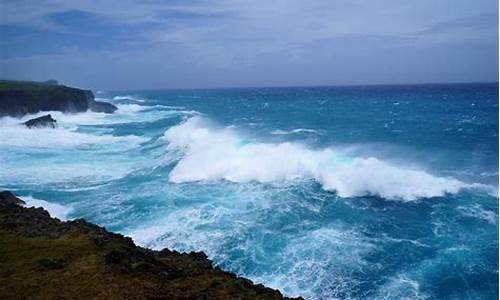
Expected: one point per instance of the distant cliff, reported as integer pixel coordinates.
(44, 258)
(18, 98)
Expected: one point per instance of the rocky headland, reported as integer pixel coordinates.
(44, 258)
(18, 98)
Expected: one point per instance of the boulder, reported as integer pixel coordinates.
(9, 198)
(41, 122)
(105, 107)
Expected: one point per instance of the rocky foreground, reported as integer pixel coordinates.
(44, 258)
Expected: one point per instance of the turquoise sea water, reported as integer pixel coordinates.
(374, 192)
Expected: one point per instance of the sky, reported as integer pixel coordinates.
(127, 44)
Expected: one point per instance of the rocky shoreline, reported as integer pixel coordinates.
(44, 258)
(18, 98)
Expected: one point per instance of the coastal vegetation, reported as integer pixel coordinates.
(44, 258)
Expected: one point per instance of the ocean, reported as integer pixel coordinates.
(354, 192)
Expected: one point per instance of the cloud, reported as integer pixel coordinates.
(204, 38)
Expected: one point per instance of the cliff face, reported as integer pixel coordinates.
(18, 98)
(44, 258)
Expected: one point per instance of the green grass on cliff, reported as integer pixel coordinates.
(43, 259)
(26, 264)
(26, 85)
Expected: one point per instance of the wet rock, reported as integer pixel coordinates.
(9, 198)
(105, 107)
(18, 98)
(41, 122)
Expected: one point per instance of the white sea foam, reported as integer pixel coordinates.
(134, 108)
(331, 253)
(178, 230)
(297, 130)
(128, 97)
(16, 135)
(126, 113)
(63, 120)
(65, 173)
(171, 107)
(211, 153)
(476, 211)
(55, 210)
(63, 153)
(68, 120)
(130, 108)
(320, 264)
(401, 287)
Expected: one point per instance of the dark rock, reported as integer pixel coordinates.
(51, 263)
(198, 255)
(201, 259)
(102, 239)
(80, 260)
(115, 257)
(202, 297)
(9, 198)
(18, 98)
(105, 107)
(40, 122)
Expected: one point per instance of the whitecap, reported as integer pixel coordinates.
(17, 135)
(55, 210)
(319, 264)
(401, 287)
(128, 97)
(220, 153)
(130, 108)
(297, 130)
(476, 211)
(62, 154)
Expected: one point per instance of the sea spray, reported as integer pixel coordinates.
(212, 153)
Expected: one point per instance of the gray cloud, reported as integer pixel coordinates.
(248, 43)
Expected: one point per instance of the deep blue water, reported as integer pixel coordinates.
(377, 192)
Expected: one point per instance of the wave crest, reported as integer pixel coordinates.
(55, 210)
(211, 153)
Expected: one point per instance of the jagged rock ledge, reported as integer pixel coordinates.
(18, 98)
(44, 258)
(40, 122)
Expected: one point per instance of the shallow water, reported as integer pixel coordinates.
(381, 192)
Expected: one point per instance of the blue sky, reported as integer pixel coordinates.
(125, 44)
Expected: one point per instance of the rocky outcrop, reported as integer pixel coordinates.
(100, 106)
(10, 199)
(41, 122)
(18, 98)
(44, 258)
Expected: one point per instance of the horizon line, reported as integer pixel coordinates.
(266, 87)
(303, 86)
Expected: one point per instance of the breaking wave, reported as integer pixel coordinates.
(212, 153)
(55, 210)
